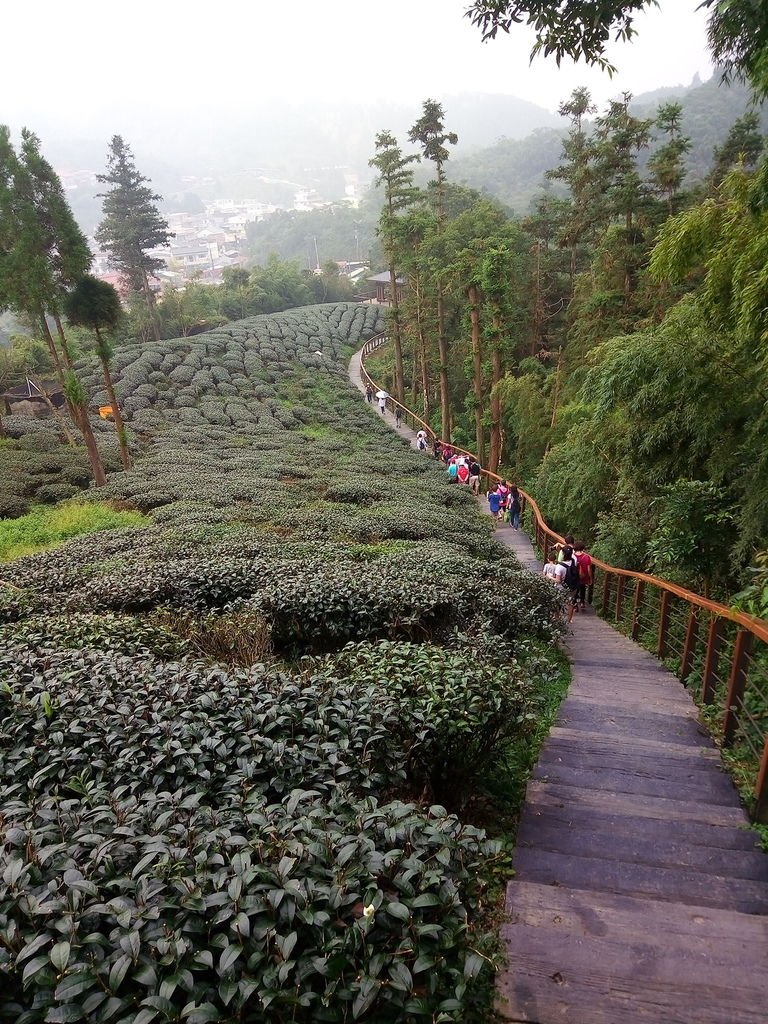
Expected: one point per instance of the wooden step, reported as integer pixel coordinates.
(677, 884)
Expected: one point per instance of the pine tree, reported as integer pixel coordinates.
(578, 172)
(95, 304)
(666, 166)
(396, 178)
(429, 132)
(42, 254)
(132, 224)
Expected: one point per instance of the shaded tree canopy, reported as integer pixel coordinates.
(580, 29)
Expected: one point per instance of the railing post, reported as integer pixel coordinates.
(691, 633)
(736, 683)
(761, 788)
(606, 593)
(711, 658)
(620, 581)
(636, 605)
(661, 646)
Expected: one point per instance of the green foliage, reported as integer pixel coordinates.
(47, 527)
(36, 467)
(241, 874)
(217, 838)
(465, 701)
(693, 529)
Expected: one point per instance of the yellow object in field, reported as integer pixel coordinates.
(105, 411)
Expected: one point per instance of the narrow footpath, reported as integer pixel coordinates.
(640, 894)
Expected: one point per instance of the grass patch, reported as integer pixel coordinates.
(44, 528)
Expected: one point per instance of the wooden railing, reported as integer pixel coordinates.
(719, 654)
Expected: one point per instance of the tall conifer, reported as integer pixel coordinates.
(132, 225)
(396, 178)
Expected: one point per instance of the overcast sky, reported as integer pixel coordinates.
(63, 60)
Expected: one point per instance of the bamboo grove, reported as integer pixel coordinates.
(608, 349)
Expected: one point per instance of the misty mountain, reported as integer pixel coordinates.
(268, 153)
(514, 170)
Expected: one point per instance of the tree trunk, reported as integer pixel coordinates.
(423, 349)
(150, 301)
(78, 413)
(99, 476)
(63, 340)
(125, 455)
(396, 336)
(56, 359)
(494, 458)
(55, 413)
(473, 294)
(442, 347)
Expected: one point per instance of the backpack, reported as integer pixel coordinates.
(463, 474)
(585, 567)
(572, 574)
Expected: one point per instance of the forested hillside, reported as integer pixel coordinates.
(606, 349)
(514, 169)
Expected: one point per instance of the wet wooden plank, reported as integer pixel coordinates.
(678, 885)
(691, 833)
(723, 934)
(545, 793)
(712, 789)
(588, 980)
(655, 848)
(590, 740)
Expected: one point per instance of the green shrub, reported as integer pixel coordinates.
(462, 703)
(44, 527)
(50, 494)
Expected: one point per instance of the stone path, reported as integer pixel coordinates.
(639, 895)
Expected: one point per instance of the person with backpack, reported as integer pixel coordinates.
(474, 475)
(462, 472)
(586, 573)
(571, 580)
(514, 506)
(494, 501)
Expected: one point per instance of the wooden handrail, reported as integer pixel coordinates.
(759, 627)
(748, 627)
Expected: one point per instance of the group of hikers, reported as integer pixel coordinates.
(569, 566)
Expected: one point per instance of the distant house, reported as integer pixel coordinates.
(382, 284)
(27, 399)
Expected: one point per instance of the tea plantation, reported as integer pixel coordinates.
(239, 746)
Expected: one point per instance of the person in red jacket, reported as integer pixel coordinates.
(586, 574)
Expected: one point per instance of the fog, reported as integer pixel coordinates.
(231, 89)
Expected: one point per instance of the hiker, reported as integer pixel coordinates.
(567, 543)
(494, 501)
(382, 405)
(421, 440)
(438, 449)
(447, 453)
(462, 472)
(554, 571)
(398, 415)
(586, 574)
(453, 471)
(369, 394)
(474, 476)
(571, 579)
(514, 507)
(504, 492)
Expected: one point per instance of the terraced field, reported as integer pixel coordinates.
(239, 746)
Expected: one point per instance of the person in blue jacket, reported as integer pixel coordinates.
(494, 501)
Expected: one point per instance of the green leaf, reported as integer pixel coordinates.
(59, 955)
(398, 910)
(228, 957)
